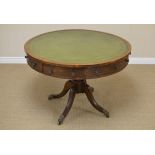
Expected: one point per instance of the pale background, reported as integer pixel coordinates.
(141, 37)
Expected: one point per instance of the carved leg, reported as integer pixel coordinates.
(77, 86)
(68, 106)
(94, 103)
(67, 86)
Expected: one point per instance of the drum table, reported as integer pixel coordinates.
(77, 55)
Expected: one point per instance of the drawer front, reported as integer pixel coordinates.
(84, 72)
(63, 72)
(34, 64)
(105, 70)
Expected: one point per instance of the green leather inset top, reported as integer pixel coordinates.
(77, 47)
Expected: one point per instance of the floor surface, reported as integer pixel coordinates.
(129, 96)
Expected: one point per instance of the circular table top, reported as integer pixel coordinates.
(77, 47)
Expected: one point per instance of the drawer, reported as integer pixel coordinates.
(36, 65)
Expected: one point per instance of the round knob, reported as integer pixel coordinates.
(33, 64)
(98, 71)
(73, 73)
(51, 71)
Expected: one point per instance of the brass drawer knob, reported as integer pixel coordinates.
(50, 71)
(73, 72)
(98, 71)
(33, 64)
